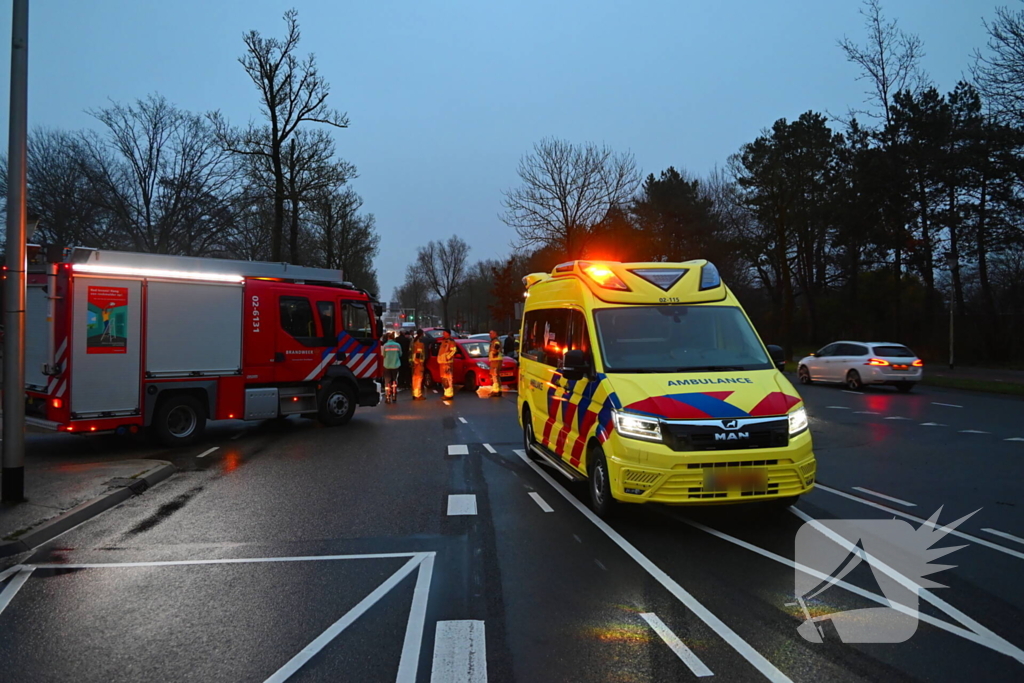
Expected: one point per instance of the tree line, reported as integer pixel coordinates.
(872, 224)
(156, 178)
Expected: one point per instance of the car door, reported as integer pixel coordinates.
(839, 362)
(574, 394)
(854, 359)
(299, 338)
(818, 364)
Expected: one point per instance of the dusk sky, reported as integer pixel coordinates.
(445, 96)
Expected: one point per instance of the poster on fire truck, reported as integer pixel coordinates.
(107, 320)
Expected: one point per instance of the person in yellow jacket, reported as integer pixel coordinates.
(418, 360)
(445, 362)
(495, 357)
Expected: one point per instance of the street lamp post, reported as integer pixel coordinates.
(12, 488)
(951, 262)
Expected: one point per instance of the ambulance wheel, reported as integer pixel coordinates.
(179, 420)
(528, 440)
(337, 403)
(600, 483)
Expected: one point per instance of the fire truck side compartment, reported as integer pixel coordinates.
(261, 403)
(193, 327)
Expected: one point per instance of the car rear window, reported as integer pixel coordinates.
(894, 351)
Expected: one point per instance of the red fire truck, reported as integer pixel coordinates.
(119, 341)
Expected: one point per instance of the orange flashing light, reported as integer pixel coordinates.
(876, 361)
(231, 416)
(56, 403)
(918, 363)
(92, 429)
(605, 277)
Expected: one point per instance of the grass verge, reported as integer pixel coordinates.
(1010, 388)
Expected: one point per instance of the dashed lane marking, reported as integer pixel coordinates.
(1015, 438)
(461, 504)
(684, 653)
(458, 449)
(973, 431)
(818, 486)
(897, 417)
(866, 412)
(745, 649)
(489, 448)
(876, 494)
(207, 452)
(237, 436)
(541, 502)
(933, 424)
(460, 652)
(856, 590)
(1003, 534)
(838, 407)
(463, 420)
(857, 393)
(948, 405)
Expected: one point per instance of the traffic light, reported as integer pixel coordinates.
(402, 316)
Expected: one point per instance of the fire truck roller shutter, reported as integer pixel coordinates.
(105, 348)
(36, 331)
(193, 327)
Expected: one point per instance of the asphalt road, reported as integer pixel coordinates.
(296, 552)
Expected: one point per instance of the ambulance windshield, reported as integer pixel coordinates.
(678, 339)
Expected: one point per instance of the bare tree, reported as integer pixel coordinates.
(161, 176)
(889, 60)
(343, 238)
(291, 92)
(1000, 73)
(567, 189)
(443, 265)
(414, 293)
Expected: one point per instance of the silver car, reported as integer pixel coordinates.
(859, 364)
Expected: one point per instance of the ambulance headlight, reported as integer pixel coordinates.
(483, 364)
(637, 427)
(797, 421)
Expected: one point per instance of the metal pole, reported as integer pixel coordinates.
(13, 475)
(952, 311)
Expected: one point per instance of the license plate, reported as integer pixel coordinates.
(899, 367)
(735, 479)
(508, 374)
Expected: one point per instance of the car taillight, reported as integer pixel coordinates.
(918, 363)
(876, 361)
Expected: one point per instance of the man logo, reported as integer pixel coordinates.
(730, 424)
(732, 436)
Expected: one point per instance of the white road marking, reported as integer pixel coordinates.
(933, 424)
(948, 405)
(207, 452)
(489, 448)
(858, 393)
(1015, 438)
(856, 590)
(876, 494)
(14, 585)
(463, 420)
(310, 651)
(599, 564)
(894, 511)
(578, 539)
(996, 641)
(541, 502)
(460, 652)
(458, 449)
(838, 407)
(866, 412)
(973, 431)
(1005, 535)
(414, 629)
(684, 653)
(237, 436)
(10, 570)
(745, 649)
(897, 417)
(241, 560)
(462, 504)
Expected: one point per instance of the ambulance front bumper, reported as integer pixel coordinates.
(652, 472)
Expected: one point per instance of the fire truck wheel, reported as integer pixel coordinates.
(337, 403)
(179, 420)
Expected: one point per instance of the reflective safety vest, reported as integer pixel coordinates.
(496, 352)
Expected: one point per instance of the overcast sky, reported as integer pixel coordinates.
(444, 96)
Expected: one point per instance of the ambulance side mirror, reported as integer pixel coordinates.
(778, 356)
(575, 365)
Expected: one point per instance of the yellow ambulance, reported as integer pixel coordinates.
(648, 380)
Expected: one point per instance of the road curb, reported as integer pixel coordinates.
(87, 510)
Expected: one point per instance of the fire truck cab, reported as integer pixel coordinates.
(121, 341)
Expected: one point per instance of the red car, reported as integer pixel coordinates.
(471, 368)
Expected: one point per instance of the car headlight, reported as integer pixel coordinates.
(483, 364)
(638, 427)
(797, 421)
